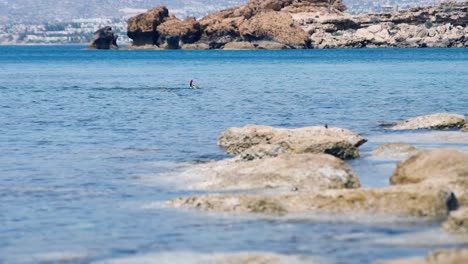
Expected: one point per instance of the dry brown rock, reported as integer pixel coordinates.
(338, 142)
(173, 32)
(434, 121)
(300, 172)
(409, 200)
(142, 28)
(457, 222)
(274, 26)
(394, 150)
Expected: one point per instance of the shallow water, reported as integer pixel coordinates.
(80, 129)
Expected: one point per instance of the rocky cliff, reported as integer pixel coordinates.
(280, 24)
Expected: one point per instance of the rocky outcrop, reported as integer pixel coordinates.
(457, 222)
(419, 27)
(253, 141)
(394, 150)
(410, 200)
(438, 165)
(104, 38)
(433, 121)
(257, 21)
(303, 24)
(173, 33)
(444, 168)
(142, 29)
(274, 26)
(290, 172)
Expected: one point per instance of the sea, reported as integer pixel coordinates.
(82, 131)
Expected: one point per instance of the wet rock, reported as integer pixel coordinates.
(303, 171)
(457, 222)
(447, 256)
(465, 127)
(410, 200)
(444, 168)
(339, 142)
(394, 150)
(434, 121)
(444, 165)
(453, 256)
(104, 38)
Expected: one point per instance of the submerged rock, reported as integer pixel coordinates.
(394, 150)
(303, 172)
(434, 121)
(410, 200)
(104, 38)
(446, 256)
(338, 142)
(457, 222)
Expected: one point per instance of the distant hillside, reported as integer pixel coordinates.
(36, 11)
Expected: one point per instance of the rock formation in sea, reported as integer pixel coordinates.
(433, 121)
(254, 141)
(104, 38)
(283, 24)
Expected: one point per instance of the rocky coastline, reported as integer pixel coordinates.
(290, 24)
(279, 172)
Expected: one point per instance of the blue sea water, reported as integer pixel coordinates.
(79, 128)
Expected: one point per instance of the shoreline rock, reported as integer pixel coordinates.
(437, 121)
(445, 256)
(443, 167)
(465, 127)
(289, 24)
(290, 172)
(457, 222)
(404, 201)
(254, 141)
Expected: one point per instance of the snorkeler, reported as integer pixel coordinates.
(193, 86)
